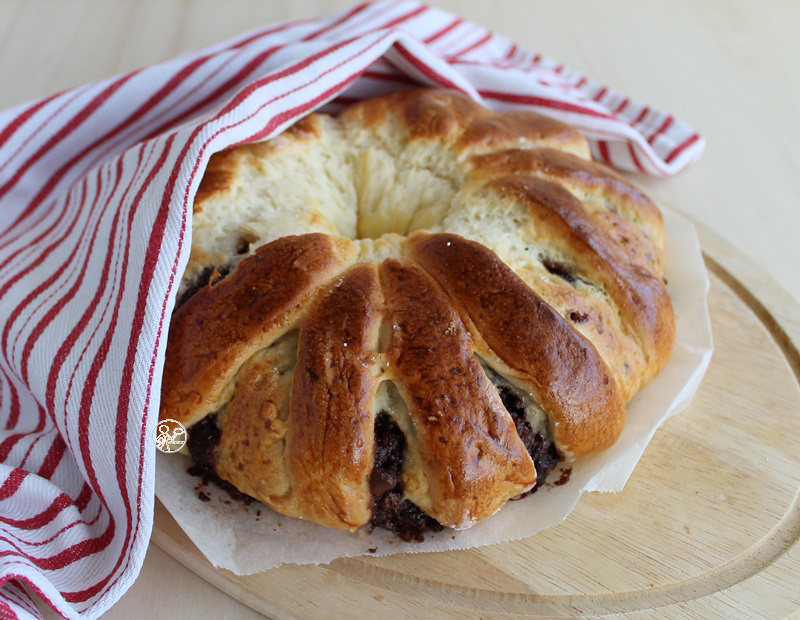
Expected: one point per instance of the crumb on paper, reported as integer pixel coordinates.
(566, 472)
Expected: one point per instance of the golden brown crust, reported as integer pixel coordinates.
(626, 214)
(223, 169)
(563, 370)
(250, 454)
(220, 327)
(469, 459)
(640, 296)
(219, 176)
(588, 175)
(454, 119)
(329, 447)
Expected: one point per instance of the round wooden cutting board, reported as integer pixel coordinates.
(707, 526)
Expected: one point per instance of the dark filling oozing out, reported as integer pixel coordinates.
(389, 510)
(202, 444)
(578, 317)
(544, 454)
(559, 269)
(209, 276)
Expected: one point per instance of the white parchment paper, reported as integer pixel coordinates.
(252, 539)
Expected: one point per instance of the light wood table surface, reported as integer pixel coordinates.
(728, 68)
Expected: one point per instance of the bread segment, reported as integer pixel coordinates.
(558, 366)
(624, 212)
(640, 297)
(467, 460)
(329, 443)
(219, 328)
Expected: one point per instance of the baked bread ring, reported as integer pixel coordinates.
(408, 313)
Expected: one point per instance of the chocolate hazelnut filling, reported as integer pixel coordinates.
(389, 510)
(203, 440)
(202, 444)
(560, 269)
(537, 441)
(543, 453)
(208, 277)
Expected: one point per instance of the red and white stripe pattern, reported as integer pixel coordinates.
(96, 186)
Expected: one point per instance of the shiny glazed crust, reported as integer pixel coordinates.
(378, 261)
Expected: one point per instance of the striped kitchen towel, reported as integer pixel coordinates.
(96, 188)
